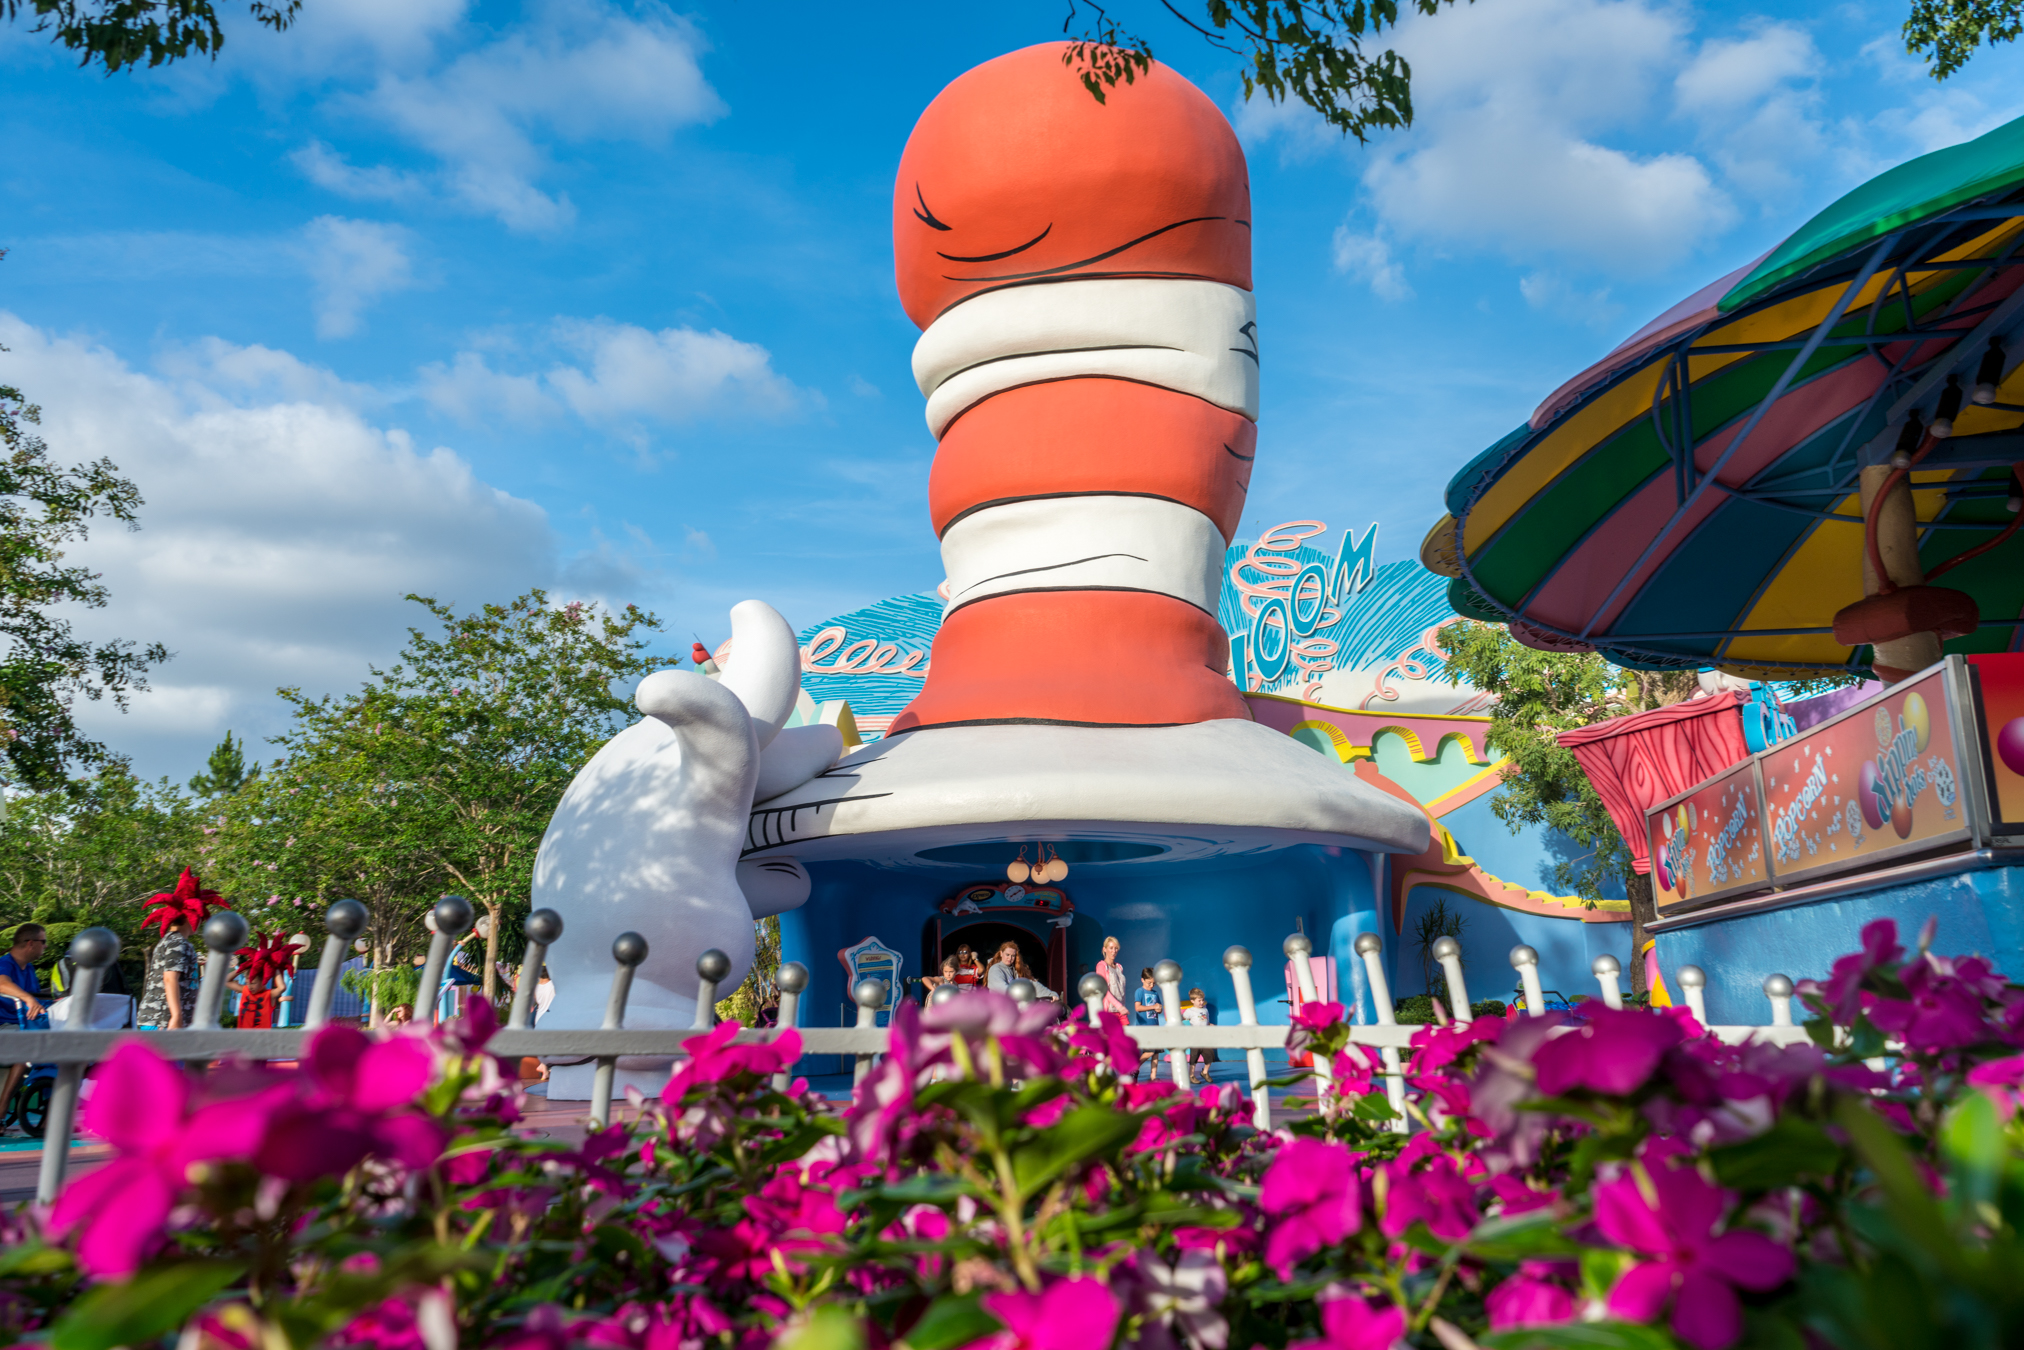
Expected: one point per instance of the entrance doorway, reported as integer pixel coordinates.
(1046, 957)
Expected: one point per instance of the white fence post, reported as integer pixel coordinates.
(1778, 988)
(93, 949)
(1526, 962)
(1167, 975)
(1694, 984)
(870, 995)
(1298, 948)
(1371, 947)
(223, 934)
(544, 930)
(1237, 960)
(1448, 952)
(1607, 968)
(342, 922)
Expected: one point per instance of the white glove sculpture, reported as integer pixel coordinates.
(647, 837)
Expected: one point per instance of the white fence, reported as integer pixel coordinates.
(96, 948)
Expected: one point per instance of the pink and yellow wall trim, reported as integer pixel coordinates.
(1354, 737)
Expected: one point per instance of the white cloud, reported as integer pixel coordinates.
(674, 375)
(1551, 293)
(1368, 258)
(1507, 152)
(354, 263)
(469, 390)
(1728, 75)
(1757, 102)
(333, 173)
(587, 71)
(278, 535)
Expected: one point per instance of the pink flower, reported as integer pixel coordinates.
(1106, 1040)
(1530, 1299)
(1671, 1220)
(360, 1092)
(1843, 990)
(1517, 1196)
(2003, 1080)
(1355, 1068)
(1614, 1052)
(141, 1104)
(1312, 1193)
(1944, 1012)
(1075, 1314)
(881, 1119)
(713, 1058)
(1436, 1196)
(1353, 1324)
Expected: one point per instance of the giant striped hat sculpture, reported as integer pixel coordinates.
(1081, 272)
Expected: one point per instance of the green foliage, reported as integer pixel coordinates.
(122, 33)
(141, 1310)
(1417, 1010)
(1436, 922)
(225, 772)
(1310, 50)
(44, 666)
(1948, 32)
(747, 999)
(1540, 694)
(440, 773)
(389, 987)
(91, 854)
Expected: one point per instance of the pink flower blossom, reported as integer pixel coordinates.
(1074, 1314)
(2002, 1080)
(1943, 1013)
(1436, 1195)
(1614, 1052)
(1843, 990)
(1355, 1069)
(1314, 1197)
(357, 1105)
(1669, 1216)
(1530, 1298)
(142, 1105)
(713, 1058)
(1353, 1324)
(1108, 1039)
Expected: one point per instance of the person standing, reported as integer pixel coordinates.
(1146, 1011)
(1196, 1014)
(20, 994)
(1112, 971)
(169, 1003)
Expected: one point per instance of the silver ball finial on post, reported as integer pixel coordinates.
(1447, 954)
(1694, 984)
(1606, 968)
(1778, 988)
(1091, 988)
(544, 926)
(452, 916)
(711, 968)
(628, 949)
(342, 924)
(223, 933)
(544, 930)
(94, 948)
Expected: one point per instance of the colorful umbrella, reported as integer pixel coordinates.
(1698, 496)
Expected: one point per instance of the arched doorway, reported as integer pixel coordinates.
(1046, 955)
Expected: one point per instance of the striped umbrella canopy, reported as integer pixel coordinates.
(1692, 499)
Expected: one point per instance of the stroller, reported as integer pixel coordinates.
(30, 1106)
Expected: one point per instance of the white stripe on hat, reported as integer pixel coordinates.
(1085, 543)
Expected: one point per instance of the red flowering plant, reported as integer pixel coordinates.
(1002, 1181)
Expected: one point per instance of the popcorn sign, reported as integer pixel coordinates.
(1710, 842)
(1885, 779)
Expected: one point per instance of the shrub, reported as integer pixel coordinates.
(999, 1182)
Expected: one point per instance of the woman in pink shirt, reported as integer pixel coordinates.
(1112, 971)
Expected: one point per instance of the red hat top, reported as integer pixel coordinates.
(188, 901)
(272, 955)
(1015, 174)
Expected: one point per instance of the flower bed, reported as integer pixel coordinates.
(997, 1182)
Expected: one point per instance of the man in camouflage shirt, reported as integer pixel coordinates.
(170, 1001)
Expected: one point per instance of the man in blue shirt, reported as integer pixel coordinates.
(20, 993)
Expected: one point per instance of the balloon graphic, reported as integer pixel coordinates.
(1865, 792)
(1918, 719)
(2010, 745)
(1901, 820)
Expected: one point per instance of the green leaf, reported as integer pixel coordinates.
(1601, 1269)
(1514, 1239)
(952, 1320)
(151, 1305)
(1972, 1136)
(827, 1328)
(1081, 1134)
(1791, 1149)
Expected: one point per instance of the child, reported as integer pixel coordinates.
(948, 975)
(1145, 1011)
(1196, 1014)
(969, 970)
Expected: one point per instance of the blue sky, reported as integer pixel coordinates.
(463, 299)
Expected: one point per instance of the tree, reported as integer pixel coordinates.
(225, 772)
(442, 771)
(1948, 32)
(1313, 50)
(44, 665)
(122, 33)
(1540, 694)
